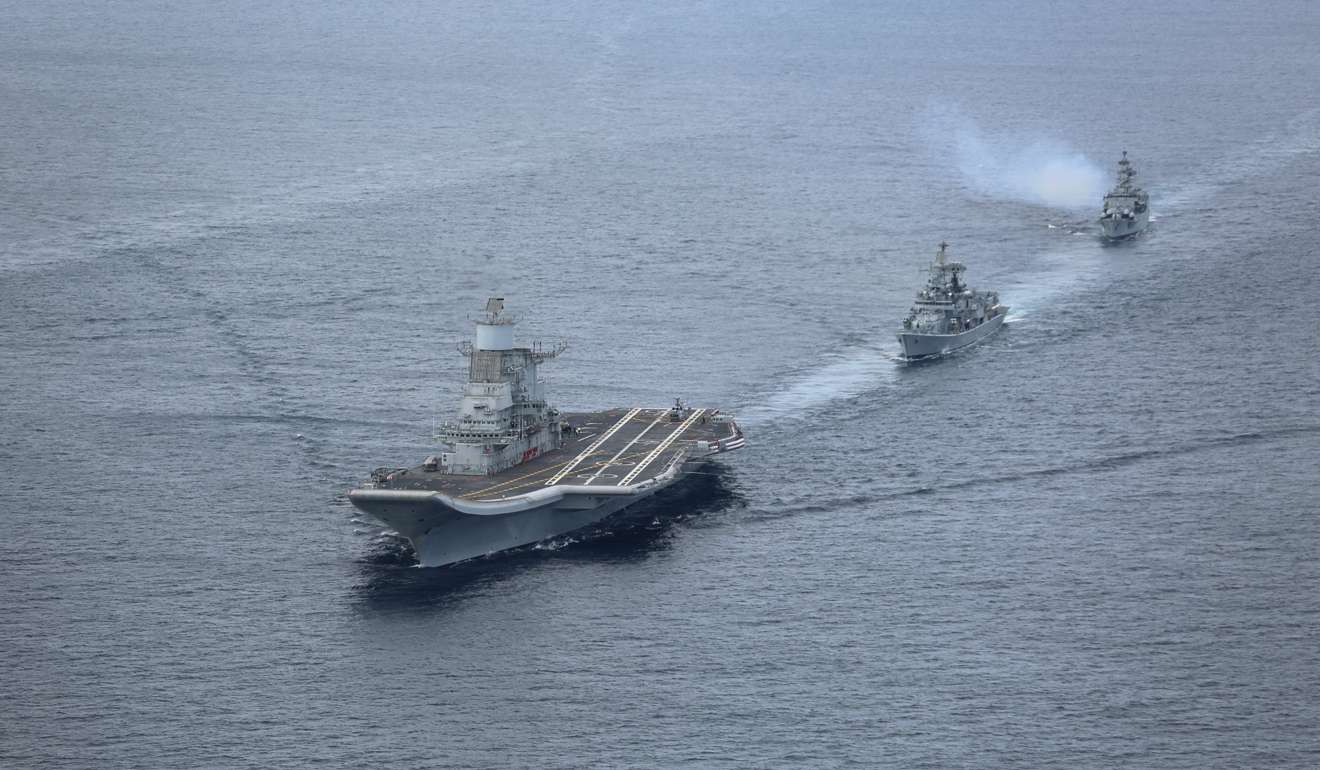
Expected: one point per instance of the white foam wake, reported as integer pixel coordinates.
(850, 373)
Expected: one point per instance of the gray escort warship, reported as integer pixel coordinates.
(1126, 209)
(948, 315)
(513, 470)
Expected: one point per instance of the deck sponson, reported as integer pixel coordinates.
(607, 465)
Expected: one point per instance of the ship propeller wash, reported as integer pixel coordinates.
(513, 470)
(1126, 209)
(948, 315)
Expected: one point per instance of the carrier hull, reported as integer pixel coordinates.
(916, 347)
(612, 461)
(441, 534)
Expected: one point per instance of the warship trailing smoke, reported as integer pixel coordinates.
(514, 471)
(1126, 209)
(948, 315)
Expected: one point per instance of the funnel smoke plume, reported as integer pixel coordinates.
(1034, 170)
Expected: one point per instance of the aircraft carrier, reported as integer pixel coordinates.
(514, 471)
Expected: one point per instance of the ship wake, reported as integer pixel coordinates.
(816, 504)
(852, 372)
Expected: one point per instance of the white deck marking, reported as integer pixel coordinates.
(662, 446)
(555, 479)
(629, 445)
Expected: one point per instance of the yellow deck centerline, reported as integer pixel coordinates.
(493, 487)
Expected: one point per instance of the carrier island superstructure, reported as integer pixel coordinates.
(513, 470)
(947, 314)
(1126, 209)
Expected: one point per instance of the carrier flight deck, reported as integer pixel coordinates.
(617, 447)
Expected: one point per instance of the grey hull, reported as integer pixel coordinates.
(444, 531)
(1117, 229)
(918, 346)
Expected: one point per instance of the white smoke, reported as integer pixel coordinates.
(1035, 170)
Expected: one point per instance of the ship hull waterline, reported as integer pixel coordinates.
(918, 347)
(445, 530)
(1120, 229)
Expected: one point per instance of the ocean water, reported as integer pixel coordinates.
(239, 241)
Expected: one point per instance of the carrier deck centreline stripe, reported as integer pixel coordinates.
(515, 471)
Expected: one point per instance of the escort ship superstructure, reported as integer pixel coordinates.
(513, 470)
(1126, 210)
(947, 315)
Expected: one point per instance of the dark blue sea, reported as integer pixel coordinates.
(239, 242)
